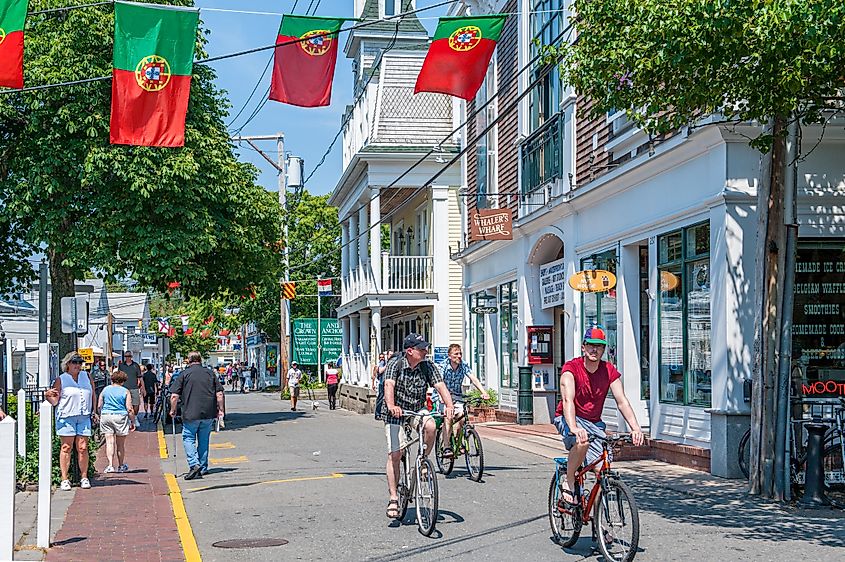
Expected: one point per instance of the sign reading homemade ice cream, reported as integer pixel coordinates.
(491, 224)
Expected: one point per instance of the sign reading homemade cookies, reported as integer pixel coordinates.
(491, 224)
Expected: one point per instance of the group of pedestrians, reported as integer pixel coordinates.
(242, 377)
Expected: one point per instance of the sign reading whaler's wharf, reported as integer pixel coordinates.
(491, 224)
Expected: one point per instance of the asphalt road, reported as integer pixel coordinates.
(316, 479)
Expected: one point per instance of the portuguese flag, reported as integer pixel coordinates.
(303, 71)
(12, 19)
(151, 80)
(459, 54)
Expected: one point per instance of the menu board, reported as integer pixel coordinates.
(818, 331)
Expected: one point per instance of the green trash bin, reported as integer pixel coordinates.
(525, 401)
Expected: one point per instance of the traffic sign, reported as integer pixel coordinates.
(87, 353)
(75, 314)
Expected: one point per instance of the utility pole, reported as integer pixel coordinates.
(284, 311)
(109, 341)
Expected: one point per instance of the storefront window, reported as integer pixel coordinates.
(478, 335)
(600, 308)
(508, 335)
(818, 331)
(645, 331)
(684, 309)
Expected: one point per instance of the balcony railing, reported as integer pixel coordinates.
(399, 274)
(542, 155)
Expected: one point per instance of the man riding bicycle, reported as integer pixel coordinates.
(454, 370)
(584, 383)
(406, 380)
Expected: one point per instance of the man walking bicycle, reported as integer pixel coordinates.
(202, 402)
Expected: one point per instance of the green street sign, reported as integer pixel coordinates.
(304, 340)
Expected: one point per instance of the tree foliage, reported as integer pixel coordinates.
(193, 215)
(207, 318)
(670, 63)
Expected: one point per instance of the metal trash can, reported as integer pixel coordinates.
(525, 400)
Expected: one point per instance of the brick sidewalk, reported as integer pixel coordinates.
(123, 516)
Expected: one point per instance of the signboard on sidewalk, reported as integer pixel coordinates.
(305, 340)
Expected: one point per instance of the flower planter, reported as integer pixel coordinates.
(482, 415)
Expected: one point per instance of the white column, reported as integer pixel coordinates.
(365, 331)
(628, 328)
(440, 268)
(22, 424)
(352, 249)
(344, 254)
(354, 325)
(7, 486)
(375, 237)
(344, 330)
(364, 229)
(45, 471)
(376, 313)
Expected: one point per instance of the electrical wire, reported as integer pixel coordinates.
(248, 99)
(67, 8)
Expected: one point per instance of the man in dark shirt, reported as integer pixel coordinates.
(133, 380)
(202, 402)
(150, 389)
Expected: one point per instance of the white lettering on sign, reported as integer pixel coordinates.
(552, 283)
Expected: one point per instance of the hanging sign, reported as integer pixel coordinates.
(593, 281)
(481, 309)
(552, 283)
(668, 281)
(491, 224)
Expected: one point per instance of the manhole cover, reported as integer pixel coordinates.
(250, 543)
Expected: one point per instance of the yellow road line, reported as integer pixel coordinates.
(300, 479)
(186, 534)
(229, 460)
(162, 445)
(226, 445)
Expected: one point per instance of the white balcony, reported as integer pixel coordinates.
(399, 274)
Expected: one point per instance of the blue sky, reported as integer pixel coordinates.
(308, 132)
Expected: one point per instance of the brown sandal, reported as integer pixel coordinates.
(393, 509)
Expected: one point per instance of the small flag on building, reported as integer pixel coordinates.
(163, 325)
(289, 290)
(189, 331)
(151, 80)
(205, 333)
(171, 331)
(459, 55)
(12, 20)
(324, 287)
(185, 320)
(303, 68)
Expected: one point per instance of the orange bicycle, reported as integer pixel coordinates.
(609, 506)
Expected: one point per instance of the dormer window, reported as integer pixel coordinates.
(390, 7)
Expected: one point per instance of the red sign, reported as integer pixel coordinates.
(491, 224)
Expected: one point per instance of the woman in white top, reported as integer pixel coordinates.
(73, 396)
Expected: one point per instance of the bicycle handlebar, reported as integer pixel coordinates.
(612, 439)
(409, 413)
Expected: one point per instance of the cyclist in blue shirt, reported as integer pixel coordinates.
(454, 370)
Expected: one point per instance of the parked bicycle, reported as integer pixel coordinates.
(609, 506)
(465, 442)
(418, 484)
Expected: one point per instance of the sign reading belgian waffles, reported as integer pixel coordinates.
(151, 80)
(12, 20)
(304, 61)
(459, 54)
(491, 224)
(593, 281)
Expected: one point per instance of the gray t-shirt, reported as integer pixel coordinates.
(133, 373)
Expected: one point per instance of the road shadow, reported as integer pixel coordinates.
(242, 420)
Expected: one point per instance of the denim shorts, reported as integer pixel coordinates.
(72, 426)
(592, 428)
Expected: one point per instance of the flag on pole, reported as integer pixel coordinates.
(151, 80)
(324, 287)
(288, 290)
(163, 325)
(12, 21)
(171, 331)
(303, 70)
(185, 321)
(459, 54)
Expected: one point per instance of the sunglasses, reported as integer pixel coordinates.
(75, 362)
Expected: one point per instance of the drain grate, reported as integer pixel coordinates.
(250, 543)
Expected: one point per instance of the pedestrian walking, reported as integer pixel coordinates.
(202, 402)
(332, 381)
(150, 387)
(245, 378)
(116, 421)
(73, 396)
(134, 381)
(294, 376)
(253, 375)
(378, 382)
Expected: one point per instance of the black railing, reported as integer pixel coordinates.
(542, 155)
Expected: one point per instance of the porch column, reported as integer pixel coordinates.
(375, 238)
(344, 334)
(376, 314)
(352, 248)
(440, 264)
(364, 333)
(354, 324)
(344, 255)
(364, 229)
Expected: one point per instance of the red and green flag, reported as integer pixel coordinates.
(458, 56)
(151, 80)
(12, 20)
(304, 64)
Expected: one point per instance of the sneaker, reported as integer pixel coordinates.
(194, 472)
(123, 468)
(65, 485)
(109, 469)
(84, 483)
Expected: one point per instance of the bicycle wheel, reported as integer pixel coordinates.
(617, 521)
(744, 453)
(474, 455)
(404, 487)
(566, 527)
(834, 475)
(444, 464)
(426, 498)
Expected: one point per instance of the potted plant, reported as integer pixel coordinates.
(482, 410)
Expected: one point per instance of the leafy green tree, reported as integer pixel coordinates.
(672, 63)
(207, 317)
(193, 215)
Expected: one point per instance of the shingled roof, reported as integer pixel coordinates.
(408, 24)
